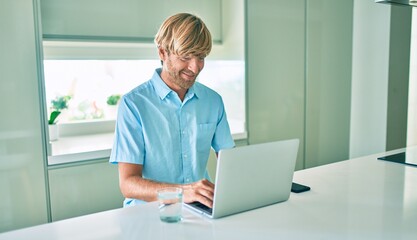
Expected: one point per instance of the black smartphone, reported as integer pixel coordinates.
(298, 188)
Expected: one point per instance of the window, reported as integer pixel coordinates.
(86, 126)
(90, 83)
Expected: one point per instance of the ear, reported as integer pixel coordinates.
(162, 54)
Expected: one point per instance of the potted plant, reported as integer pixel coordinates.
(57, 105)
(53, 117)
(112, 102)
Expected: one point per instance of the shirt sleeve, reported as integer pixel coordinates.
(128, 145)
(222, 137)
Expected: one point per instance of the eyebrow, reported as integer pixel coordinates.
(192, 55)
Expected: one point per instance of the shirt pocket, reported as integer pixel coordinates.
(205, 133)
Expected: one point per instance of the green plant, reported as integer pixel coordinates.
(113, 99)
(58, 104)
(53, 117)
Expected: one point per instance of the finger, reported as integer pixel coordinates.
(205, 184)
(205, 201)
(205, 193)
(201, 191)
(199, 198)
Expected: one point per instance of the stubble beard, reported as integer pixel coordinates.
(177, 79)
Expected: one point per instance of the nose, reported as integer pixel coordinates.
(195, 65)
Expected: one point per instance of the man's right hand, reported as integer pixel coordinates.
(201, 191)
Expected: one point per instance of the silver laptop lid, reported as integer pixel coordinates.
(254, 176)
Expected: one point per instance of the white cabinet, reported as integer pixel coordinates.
(84, 188)
(125, 20)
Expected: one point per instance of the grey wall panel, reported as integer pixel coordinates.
(22, 170)
(299, 56)
(328, 80)
(275, 72)
(399, 73)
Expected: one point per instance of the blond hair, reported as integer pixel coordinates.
(184, 34)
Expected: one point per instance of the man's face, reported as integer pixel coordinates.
(182, 70)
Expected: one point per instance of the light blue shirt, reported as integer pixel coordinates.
(170, 138)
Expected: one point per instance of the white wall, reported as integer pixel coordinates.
(371, 30)
(380, 74)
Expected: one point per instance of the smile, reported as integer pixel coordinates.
(189, 74)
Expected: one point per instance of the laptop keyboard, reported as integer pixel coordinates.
(202, 207)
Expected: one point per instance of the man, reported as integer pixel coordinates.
(166, 126)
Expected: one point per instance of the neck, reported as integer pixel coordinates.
(174, 87)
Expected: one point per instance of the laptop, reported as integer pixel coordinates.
(250, 177)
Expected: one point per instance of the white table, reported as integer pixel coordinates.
(362, 198)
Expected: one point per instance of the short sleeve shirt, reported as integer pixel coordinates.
(169, 137)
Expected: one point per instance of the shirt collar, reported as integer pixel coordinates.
(160, 87)
(163, 90)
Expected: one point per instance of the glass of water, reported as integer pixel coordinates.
(170, 204)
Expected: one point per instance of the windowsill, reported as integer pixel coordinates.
(80, 148)
(89, 147)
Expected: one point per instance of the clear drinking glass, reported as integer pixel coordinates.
(170, 204)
